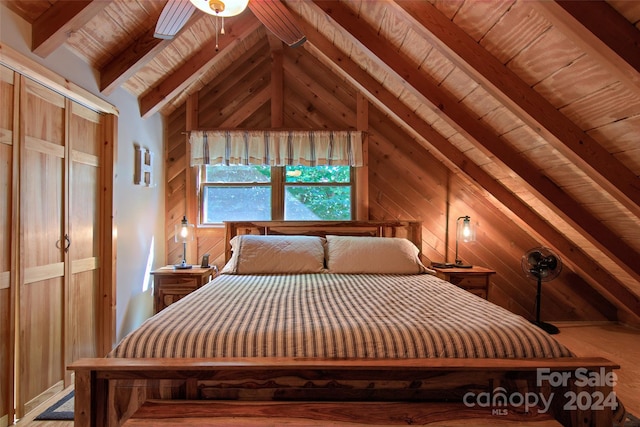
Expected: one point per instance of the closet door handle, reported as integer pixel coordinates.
(67, 244)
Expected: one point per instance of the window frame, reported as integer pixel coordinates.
(278, 186)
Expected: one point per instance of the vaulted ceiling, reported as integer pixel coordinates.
(537, 103)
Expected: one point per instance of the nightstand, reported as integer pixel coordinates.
(170, 285)
(474, 279)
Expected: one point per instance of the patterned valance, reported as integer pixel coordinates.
(276, 147)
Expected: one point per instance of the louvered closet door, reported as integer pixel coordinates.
(84, 216)
(43, 243)
(6, 232)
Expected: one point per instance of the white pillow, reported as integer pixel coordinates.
(380, 255)
(258, 254)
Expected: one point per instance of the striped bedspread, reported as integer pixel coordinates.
(336, 316)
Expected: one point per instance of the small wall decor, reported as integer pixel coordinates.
(143, 166)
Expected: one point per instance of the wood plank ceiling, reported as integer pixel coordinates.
(536, 104)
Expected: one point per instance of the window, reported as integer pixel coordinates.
(317, 193)
(236, 193)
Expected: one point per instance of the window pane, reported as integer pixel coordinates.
(318, 174)
(317, 203)
(236, 204)
(238, 173)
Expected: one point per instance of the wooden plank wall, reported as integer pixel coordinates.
(405, 180)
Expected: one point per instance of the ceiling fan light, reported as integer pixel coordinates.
(223, 8)
(217, 6)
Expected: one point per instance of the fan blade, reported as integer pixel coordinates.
(550, 262)
(541, 263)
(173, 17)
(279, 20)
(534, 258)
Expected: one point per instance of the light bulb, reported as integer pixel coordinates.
(466, 229)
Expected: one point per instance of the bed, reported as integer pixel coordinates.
(337, 322)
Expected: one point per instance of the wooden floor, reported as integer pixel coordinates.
(617, 343)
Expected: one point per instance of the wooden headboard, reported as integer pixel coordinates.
(411, 230)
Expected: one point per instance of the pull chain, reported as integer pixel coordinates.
(217, 19)
(221, 32)
(219, 29)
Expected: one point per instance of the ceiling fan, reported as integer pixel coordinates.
(543, 265)
(272, 13)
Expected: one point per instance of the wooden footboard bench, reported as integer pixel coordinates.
(574, 391)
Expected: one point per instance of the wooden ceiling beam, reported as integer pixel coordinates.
(448, 108)
(132, 58)
(278, 20)
(159, 95)
(54, 26)
(451, 156)
(531, 107)
(598, 29)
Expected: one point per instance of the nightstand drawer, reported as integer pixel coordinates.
(474, 279)
(184, 282)
(469, 282)
(168, 294)
(171, 285)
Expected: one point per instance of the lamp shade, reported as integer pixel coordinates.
(184, 232)
(466, 232)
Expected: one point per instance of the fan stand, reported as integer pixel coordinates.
(547, 327)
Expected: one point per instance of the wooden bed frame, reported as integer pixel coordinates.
(219, 391)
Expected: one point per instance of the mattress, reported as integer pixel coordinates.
(336, 316)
